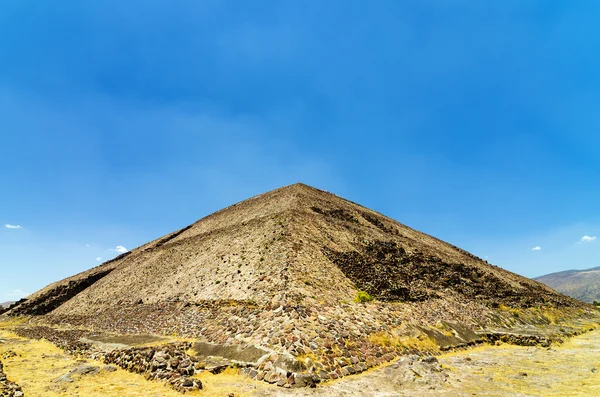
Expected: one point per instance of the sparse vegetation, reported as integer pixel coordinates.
(444, 329)
(38, 363)
(363, 296)
(513, 311)
(421, 343)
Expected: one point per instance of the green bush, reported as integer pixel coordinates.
(363, 296)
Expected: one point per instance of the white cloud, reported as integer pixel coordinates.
(9, 226)
(120, 249)
(99, 259)
(536, 248)
(87, 245)
(16, 294)
(587, 239)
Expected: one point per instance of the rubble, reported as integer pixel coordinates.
(8, 388)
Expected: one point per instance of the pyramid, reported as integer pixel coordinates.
(297, 271)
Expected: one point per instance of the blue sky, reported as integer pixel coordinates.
(474, 121)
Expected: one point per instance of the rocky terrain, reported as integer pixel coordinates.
(42, 369)
(168, 362)
(324, 287)
(569, 369)
(579, 284)
(8, 388)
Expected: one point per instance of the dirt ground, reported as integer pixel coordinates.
(571, 369)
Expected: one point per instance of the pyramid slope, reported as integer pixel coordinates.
(295, 244)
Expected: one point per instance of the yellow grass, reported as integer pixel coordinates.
(421, 342)
(229, 381)
(39, 363)
(444, 329)
(567, 370)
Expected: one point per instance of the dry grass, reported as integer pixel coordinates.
(444, 329)
(10, 322)
(568, 370)
(39, 363)
(229, 381)
(513, 311)
(421, 342)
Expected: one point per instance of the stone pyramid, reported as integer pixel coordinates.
(297, 271)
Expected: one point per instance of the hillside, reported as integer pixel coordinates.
(282, 271)
(579, 284)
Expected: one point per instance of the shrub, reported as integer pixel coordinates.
(363, 296)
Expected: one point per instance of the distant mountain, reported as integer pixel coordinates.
(6, 304)
(580, 284)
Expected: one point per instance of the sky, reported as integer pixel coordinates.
(474, 121)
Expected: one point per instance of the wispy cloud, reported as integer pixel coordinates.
(16, 294)
(9, 226)
(536, 248)
(99, 259)
(587, 239)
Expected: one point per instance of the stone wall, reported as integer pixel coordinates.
(8, 388)
(167, 363)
